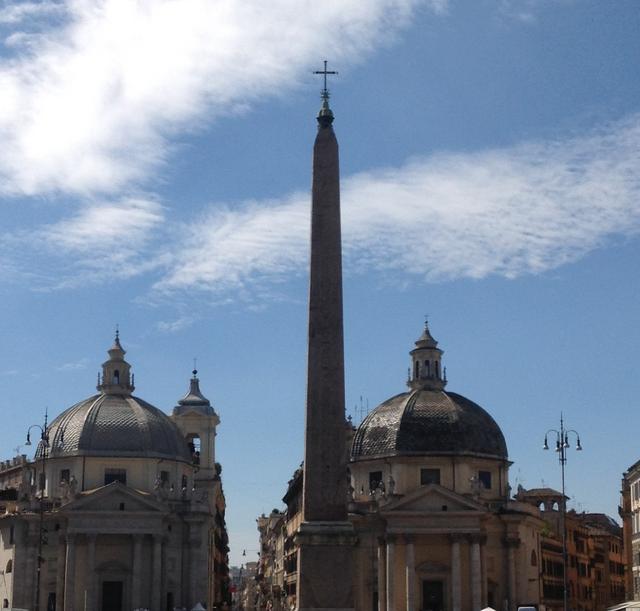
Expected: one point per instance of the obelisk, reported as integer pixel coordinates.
(325, 539)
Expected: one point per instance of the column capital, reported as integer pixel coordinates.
(511, 541)
(479, 538)
(409, 539)
(392, 539)
(457, 537)
(91, 537)
(71, 538)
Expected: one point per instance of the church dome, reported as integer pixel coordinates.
(428, 420)
(114, 423)
(116, 426)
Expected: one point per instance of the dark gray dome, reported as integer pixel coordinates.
(428, 422)
(116, 425)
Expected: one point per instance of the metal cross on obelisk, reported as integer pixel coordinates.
(325, 92)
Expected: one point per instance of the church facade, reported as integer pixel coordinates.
(430, 502)
(436, 526)
(122, 505)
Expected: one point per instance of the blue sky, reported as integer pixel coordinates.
(155, 173)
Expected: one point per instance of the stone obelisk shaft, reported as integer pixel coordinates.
(325, 538)
(324, 496)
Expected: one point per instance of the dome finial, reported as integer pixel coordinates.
(195, 368)
(325, 116)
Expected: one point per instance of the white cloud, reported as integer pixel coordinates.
(17, 12)
(173, 326)
(89, 103)
(227, 249)
(511, 211)
(526, 11)
(114, 228)
(74, 366)
(102, 241)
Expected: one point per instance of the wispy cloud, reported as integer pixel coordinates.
(90, 103)
(526, 11)
(512, 211)
(99, 242)
(17, 12)
(178, 324)
(74, 366)
(517, 210)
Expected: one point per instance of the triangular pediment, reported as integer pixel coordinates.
(433, 498)
(114, 497)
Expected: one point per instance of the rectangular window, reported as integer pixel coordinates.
(485, 479)
(115, 475)
(64, 475)
(429, 476)
(375, 477)
(164, 476)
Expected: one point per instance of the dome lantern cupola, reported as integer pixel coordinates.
(426, 372)
(116, 372)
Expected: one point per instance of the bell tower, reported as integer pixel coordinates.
(197, 420)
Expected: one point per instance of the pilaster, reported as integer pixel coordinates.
(456, 573)
(156, 587)
(410, 570)
(382, 575)
(91, 572)
(70, 574)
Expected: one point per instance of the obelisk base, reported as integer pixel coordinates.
(325, 577)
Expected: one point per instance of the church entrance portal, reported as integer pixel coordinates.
(112, 595)
(433, 595)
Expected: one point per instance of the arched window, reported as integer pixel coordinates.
(436, 366)
(534, 558)
(5, 604)
(427, 368)
(116, 377)
(9, 567)
(416, 369)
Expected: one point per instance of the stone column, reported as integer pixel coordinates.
(410, 557)
(156, 586)
(70, 574)
(136, 594)
(382, 575)
(22, 578)
(476, 575)
(483, 561)
(456, 574)
(30, 565)
(92, 603)
(511, 545)
(391, 590)
(61, 563)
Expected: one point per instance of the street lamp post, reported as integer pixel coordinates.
(44, 441)
(562, 445)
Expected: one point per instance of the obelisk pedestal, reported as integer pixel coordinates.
(326, 538)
